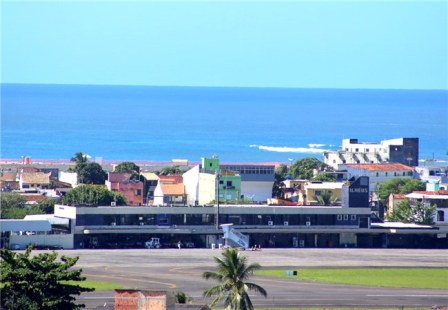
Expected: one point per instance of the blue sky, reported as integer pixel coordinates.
(308, 44)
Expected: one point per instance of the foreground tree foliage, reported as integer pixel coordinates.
(413, 213)
(39, 282)
(94, 195)
(399, 186)
(233, 272)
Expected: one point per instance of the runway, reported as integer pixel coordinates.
(180, 270)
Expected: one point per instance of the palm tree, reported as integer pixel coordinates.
(233, 271)
(326, 199)
(79, 158)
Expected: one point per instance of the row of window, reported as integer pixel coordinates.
(209, 219)
(251, 170)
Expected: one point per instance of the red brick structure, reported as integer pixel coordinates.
(143, 300)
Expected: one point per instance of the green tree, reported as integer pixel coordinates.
(233, 272)
(417, 212)
(46, 206)
(39, 282)
(304, 168)
(92, 195)
(324, 177)
(127, 166)
(326, 198)
(399, 186)
(170, 170)
(280, 175)
(88, 172)
(11, 200)
(80, 160)
(92, 173)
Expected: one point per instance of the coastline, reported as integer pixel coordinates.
(145, 165)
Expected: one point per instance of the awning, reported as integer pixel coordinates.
(48, 217)
(25, 225)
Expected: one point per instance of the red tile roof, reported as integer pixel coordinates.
(171, 179)
(173, 189)
(441, 192)
(381, 167)
(118, 177)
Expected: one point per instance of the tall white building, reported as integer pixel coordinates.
(400, 150)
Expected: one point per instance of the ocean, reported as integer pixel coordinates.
(236, 124)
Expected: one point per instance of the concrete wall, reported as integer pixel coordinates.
(191, 183)
(207, 188)
(64, 241)
(259, 191)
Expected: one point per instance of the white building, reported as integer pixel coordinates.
(378, 173)
(400, 150)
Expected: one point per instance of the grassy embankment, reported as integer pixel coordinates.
(426, 278)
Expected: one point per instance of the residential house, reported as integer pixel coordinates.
(312, 190)
(150, 183)
(170, 191)
(393, 201)
(438, 198)
(8, 181)
(130, 188)
(207, 181)
(400, 150)
(68, 177)
(34, 180)
(378, 173)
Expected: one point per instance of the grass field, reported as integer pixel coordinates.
(431, 278)
(97, 285)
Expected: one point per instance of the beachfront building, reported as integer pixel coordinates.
(378, 173)
(400, 150)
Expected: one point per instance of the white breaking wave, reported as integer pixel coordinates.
(286, 149)
(315, 145)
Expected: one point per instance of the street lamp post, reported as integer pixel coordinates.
(217, 201)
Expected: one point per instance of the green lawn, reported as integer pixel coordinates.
(435, 278)
(97, 285)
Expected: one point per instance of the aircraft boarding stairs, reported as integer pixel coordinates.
(233, 237)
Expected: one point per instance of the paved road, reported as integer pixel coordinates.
(174, 269)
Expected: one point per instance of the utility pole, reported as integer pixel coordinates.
(217, 200)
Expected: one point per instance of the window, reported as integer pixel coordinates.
(440, 216)
(317, 193)
(367, 150)
(229, 183)
(138, 192)
(345, 217)
(353, 217)
(339, 217)
(377, 174)
(385, 174)
(356, 150)
(404, 173)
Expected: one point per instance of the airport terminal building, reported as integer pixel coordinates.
(348, 225)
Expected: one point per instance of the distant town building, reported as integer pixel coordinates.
(130, 188)
(378, 173)
(170, 191)
(34, 181)
(400, 150)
